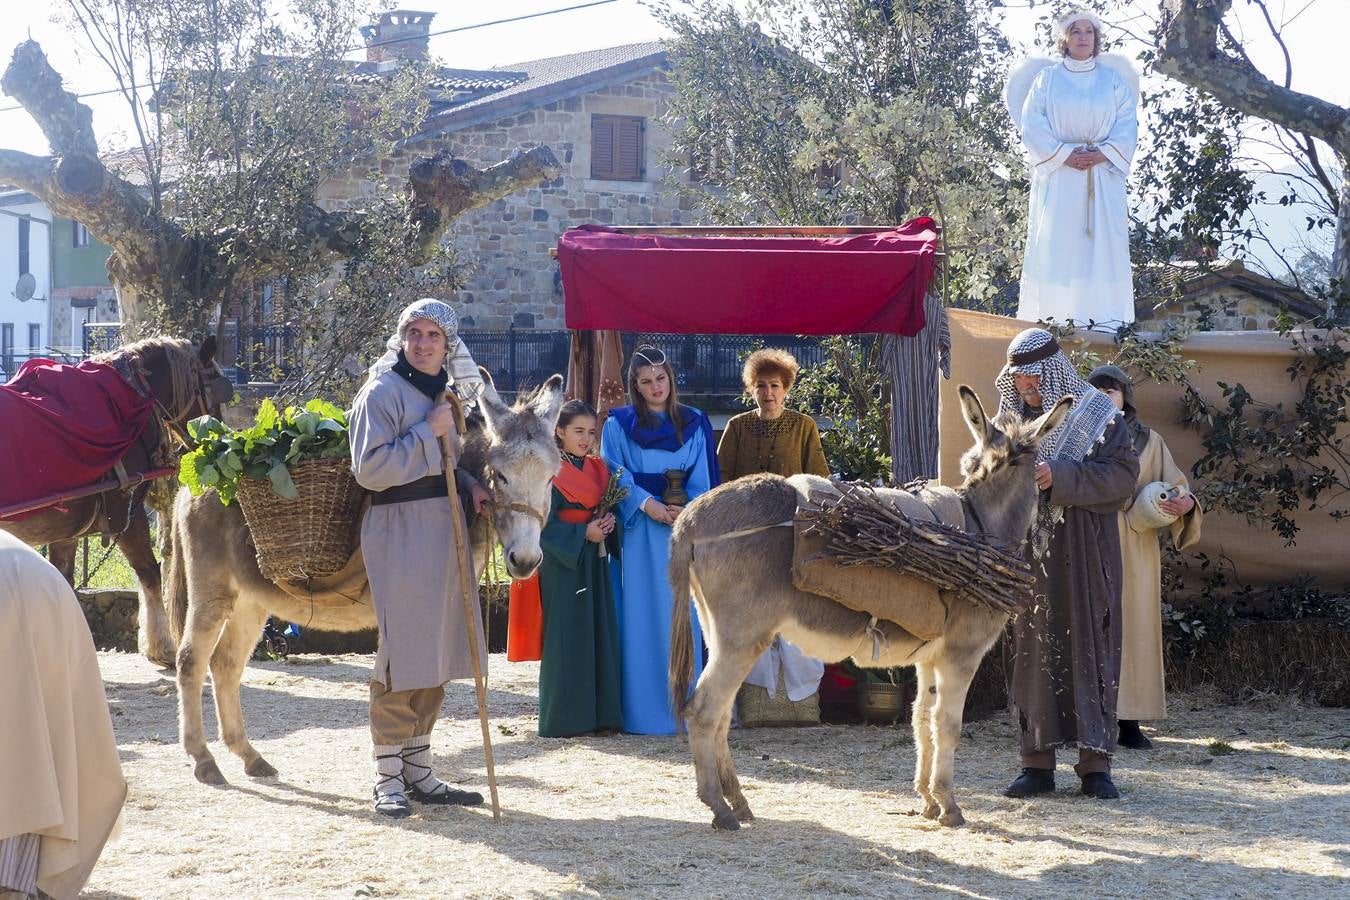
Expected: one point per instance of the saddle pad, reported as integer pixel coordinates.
(912, 603)
(64, 427)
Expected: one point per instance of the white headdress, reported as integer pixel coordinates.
(1077, 16)
(1036, 352)
(463, 371)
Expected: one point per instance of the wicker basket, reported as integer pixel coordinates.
(313, 535)
(759, 710)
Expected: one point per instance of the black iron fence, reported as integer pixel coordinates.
(518, 358)
(707, 364)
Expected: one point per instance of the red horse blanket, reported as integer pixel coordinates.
(64, 427)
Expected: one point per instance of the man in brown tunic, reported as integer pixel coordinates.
(1066, 649)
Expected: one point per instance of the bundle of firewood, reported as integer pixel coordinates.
(862, 529)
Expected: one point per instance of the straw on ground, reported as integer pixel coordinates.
(618, 816)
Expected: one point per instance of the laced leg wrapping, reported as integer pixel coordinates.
(422, 784)
(391, 793)
(416, 769)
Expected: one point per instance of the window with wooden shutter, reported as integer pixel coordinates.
(616, 148)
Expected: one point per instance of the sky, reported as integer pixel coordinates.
(1315, 35)
(1314, 31)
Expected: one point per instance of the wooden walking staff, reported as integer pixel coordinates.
(461, 541)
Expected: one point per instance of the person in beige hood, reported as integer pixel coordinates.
(1142, 696)
(60, 776)
(397, 421)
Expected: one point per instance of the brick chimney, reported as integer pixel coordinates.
(397, 34)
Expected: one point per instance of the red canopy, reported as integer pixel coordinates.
(748, 285)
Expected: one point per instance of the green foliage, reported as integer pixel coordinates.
(851, 394)
(1204, 598)
(1266, 462)
(853, 112)
(264, 451)
(246, 112)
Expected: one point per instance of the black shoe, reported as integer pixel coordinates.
(444, 795)
(1032, 782)
(393, 804)
(1099, 786)
(1132, 737)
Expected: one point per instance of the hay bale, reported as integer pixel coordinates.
(1306, 657)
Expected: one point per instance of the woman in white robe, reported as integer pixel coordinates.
(1079, 124)
(61, 784)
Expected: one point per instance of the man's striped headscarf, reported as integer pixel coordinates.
(1036, 352)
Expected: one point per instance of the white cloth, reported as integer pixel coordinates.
(459, 364)
(60, 775)
(801, 674)
(1077, 263)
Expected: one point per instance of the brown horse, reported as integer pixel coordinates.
(185, 382)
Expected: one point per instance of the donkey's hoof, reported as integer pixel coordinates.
(952, 818)
(166, 657)
(725, 822)
(208, 772)
(743, 814)
(260, 768)
(931, 810)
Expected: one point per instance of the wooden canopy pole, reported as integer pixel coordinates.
(460, 539)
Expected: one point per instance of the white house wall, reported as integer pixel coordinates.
(37, 310)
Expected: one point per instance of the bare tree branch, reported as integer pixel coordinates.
(32, 173)
(444, 187)
(67, 123)
(1189, 51)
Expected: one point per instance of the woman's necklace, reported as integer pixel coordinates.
(766, 433)
(1079, 65)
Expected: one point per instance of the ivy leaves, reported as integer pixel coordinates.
(265, 451)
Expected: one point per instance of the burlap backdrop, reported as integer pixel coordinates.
(1256, 359)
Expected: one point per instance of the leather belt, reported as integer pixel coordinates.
(422, 489)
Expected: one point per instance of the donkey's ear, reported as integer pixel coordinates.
(490, 401)
(207, 352)
(1052, 419)
(973, 412)
(549, 400)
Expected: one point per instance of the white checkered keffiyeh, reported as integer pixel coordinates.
(464, 376)
(1036, 352)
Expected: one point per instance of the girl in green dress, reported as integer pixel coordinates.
(579, 669)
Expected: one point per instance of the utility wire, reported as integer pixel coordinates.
(397, 40)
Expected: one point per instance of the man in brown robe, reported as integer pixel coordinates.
(1066, 649)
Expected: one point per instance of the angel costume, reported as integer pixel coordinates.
(1077, 263)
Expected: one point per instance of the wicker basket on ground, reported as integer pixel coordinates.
(314, 534)
(759, 710)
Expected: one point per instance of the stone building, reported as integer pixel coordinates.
(601, 112)
(1223, 296)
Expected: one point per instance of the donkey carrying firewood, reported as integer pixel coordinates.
(728, 540)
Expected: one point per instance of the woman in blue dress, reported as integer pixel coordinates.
(644, 440)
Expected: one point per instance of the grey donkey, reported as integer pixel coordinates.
(739, 623)
(218, 600)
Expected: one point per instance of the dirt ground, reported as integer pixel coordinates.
(1264, 813)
